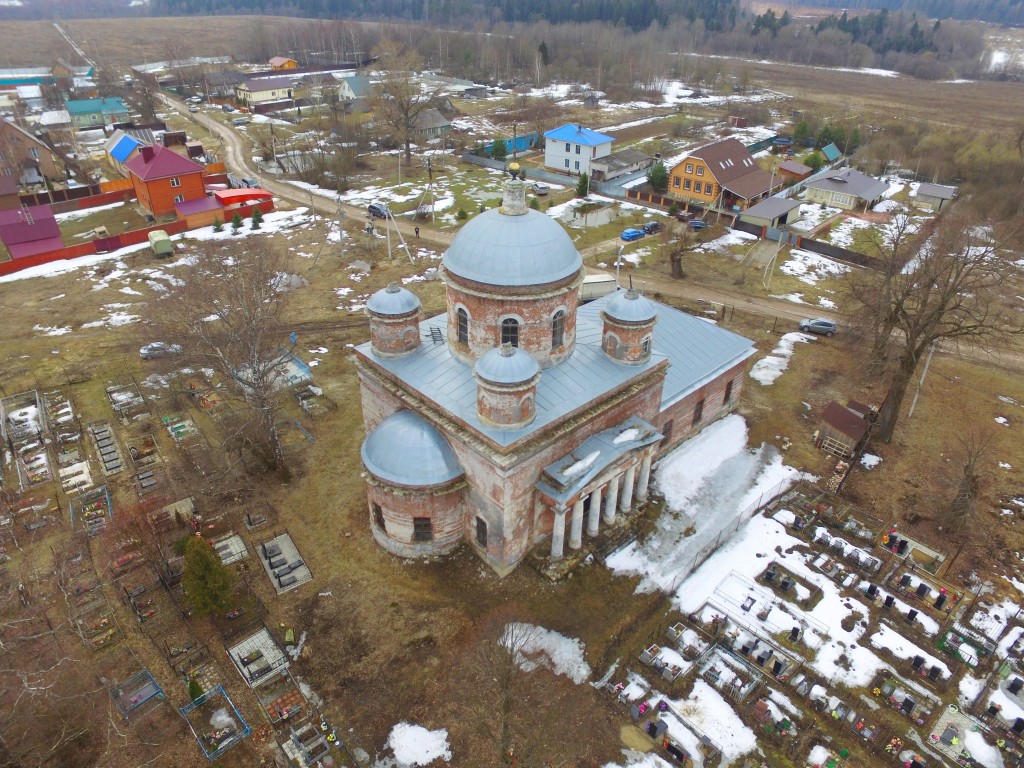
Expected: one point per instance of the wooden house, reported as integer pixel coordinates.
(722, 173)
(25, 156)
(283, 62)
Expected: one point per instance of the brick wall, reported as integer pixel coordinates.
(443, 507)
(712, 394)
(394, 336)
(625, 341)
(488, 306)
(509, 407)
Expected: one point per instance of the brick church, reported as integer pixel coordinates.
(521, 416)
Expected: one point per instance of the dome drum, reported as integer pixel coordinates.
(628, 333)
(394, 314)
(506, 388)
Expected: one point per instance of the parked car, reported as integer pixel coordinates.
(652, 227)
(227, 108)
(632, 234)
(696, 224)
(159, 349)
(540, 188)
(240, 121)
(193, 108)
(379, 211)
(818, 325)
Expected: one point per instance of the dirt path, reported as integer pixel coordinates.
(235, 160)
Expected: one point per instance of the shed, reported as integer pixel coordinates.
(831, 152)
(772, 212)
(161, 243)
(282, 62)
(842, 429)
(29, 230)
(934, 196)
(794, 171)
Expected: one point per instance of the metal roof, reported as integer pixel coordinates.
(936, 190)
(495, 248)
(393, 300)
(406, 450)
(124, 147)
(570, 474)
(577, 134)
(770, 208)
(506, 365)
(831, 152)
(697, 351)
(108, 105)
(850, 181)
(630, 307)
(260, 85)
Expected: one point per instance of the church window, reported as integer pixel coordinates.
(481, 532)
(698, 412)
(378, 516)
(422, 529)
(558, 329)
(645, 346)
(728, 392)
(462, 322)
(510, 331)
(666, 431)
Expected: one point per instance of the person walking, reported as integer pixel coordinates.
(417, 231)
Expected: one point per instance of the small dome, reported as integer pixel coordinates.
(513, 246)
(406, 450)
(393, 300)
(506, 365)
(630, 307)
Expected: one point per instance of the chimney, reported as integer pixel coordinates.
(147, 153)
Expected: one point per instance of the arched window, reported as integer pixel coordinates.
(462, 320)
(558, 329)
(645, 346)
(510, 331)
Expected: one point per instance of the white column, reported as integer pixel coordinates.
(576, 526)
(558, 534)
(627, 489)
(611, 500)
(595, 512)
(645, 478)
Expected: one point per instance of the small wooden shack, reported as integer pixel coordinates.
(843, 428)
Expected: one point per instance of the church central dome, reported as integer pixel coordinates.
(512, 246)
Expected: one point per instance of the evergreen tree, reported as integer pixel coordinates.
(207, 582)
(801, 132)
(582, 185)
(657, 177)
(499, 150)
(545, 57)
(257, 218)
(218, 225)
(236, 222)
(814, 161)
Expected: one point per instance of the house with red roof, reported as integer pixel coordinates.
(29, 230)
(162, 179)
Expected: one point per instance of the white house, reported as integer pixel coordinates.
(570, 148)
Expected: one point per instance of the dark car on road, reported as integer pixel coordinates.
(818, 325)
(379, 210)
(653, 227)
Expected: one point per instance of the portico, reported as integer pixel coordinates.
(605, 476)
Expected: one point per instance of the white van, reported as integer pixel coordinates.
(596, 285)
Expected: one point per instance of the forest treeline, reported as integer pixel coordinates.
(1009, 12)
(608, 42)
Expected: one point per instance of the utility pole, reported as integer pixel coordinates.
(920, 383)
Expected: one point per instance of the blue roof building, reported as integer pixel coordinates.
(570, 148)
(831, 152)
(551, 411)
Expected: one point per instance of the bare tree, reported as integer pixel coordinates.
(875, 289)
(402, 100)
(949, 291)
(226, 314)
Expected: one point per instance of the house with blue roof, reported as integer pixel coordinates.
(831, 152)
(96, 113)
(120, 148)
(570, 148)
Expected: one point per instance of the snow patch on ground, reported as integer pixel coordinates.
(770, 368)
(809, 267)
(415, 745)
(537, 646)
